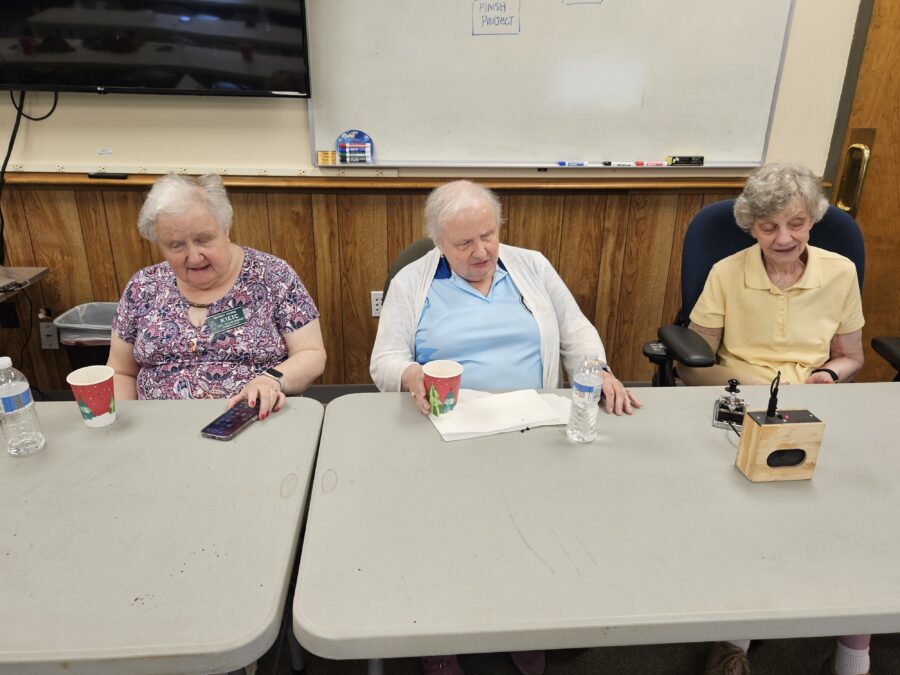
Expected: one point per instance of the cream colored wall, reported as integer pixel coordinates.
(157, 134)
(811, 81)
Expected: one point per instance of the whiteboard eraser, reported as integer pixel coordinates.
(684, 160)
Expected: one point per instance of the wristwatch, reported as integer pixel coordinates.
(834, 375)
(275, 375)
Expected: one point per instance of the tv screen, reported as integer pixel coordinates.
(232, 47)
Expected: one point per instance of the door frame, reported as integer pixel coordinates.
(848, 93)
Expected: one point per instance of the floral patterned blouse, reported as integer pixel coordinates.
(241, 337)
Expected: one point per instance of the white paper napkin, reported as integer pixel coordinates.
(479, 413)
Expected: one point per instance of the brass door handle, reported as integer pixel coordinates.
(854, 175)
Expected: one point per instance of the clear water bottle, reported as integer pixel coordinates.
(586, 388)
(18, 418)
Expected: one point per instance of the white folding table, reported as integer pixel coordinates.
(143, 547)
(416, 546)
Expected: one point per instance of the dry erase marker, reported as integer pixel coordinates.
(571, 163)
(622, 164)
(650, 163)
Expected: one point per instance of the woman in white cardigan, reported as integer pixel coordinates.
(502, 311)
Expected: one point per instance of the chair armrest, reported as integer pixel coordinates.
(656, 352)
(686, 347)
(888, 347)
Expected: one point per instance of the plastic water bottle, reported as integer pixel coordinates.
(18, 418)
(586, 388)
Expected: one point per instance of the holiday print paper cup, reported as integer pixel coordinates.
(93, 389)
(442, 380)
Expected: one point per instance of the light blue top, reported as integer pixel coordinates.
(494, 337)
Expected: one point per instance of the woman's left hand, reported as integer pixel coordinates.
(262, 389)
(618, 398)
(819, 378)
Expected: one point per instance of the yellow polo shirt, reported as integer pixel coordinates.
(767, 329)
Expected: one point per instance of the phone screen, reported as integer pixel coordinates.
(231, 422)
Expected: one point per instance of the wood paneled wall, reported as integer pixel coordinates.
(618, 251)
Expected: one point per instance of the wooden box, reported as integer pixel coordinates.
(784, 447)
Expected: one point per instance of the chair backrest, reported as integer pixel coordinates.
(411, 253)
(713, 234)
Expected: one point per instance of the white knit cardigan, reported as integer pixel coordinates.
(565, 332)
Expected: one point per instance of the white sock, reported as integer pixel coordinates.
(743, 644)
(850, 661)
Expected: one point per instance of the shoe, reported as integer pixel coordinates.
(726, 659)
(828, 667)
(529, 663)
(442, 665)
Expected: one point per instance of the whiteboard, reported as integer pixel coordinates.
(536, 82)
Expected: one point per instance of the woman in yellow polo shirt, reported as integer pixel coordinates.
(781, 305)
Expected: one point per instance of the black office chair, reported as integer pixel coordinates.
(713, 234)
(411, 253)
(888, 348)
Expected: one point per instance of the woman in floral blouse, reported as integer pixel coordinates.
(215, 320)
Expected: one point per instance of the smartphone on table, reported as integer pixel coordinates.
(231, 422)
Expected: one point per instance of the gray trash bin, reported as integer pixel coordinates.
(85, 332)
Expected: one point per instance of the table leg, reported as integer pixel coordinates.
(376, 667)
(297, 664)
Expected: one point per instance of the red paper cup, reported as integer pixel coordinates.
(27, 44)
(93, 389)
(442, 385)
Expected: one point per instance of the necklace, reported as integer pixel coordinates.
(198, 305)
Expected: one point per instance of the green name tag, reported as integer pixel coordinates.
(230, 318)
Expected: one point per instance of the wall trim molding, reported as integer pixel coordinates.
(656, 184)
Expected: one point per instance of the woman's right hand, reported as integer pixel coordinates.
(265, 390)
(413, 381)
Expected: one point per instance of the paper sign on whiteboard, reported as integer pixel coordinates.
(495, 18)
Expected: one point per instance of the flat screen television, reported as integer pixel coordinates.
(220, 47)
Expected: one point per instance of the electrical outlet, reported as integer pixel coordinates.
(379, 173)
(60, 168)
(376, 297)
(49, 335)
(341, 172)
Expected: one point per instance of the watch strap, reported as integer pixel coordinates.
(276, 375)
(834, 376)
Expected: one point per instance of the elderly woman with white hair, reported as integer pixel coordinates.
(501, 311)
(215, 320)
(781, 305)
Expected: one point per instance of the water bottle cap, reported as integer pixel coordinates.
(5, 362)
